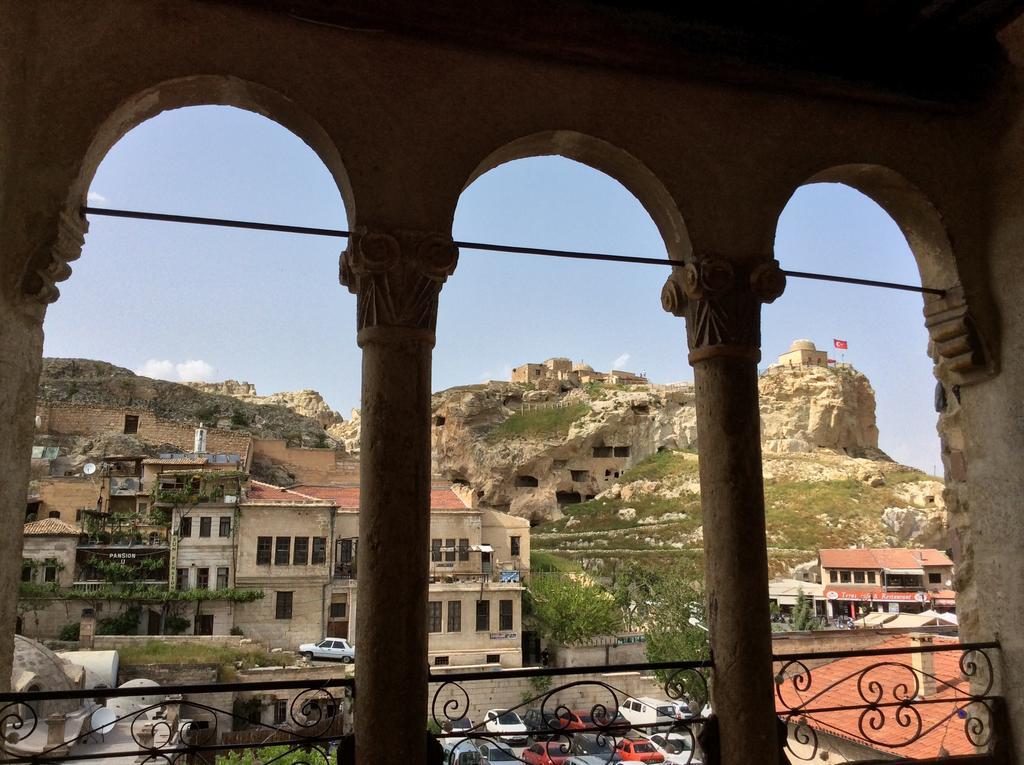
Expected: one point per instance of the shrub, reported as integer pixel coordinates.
(236, 631)
(176, 625)
(69, 632)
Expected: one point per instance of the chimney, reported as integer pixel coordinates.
(923, 665)
(55, 743)
(200, 442)
(86, 629)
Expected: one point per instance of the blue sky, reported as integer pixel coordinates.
(186, 302)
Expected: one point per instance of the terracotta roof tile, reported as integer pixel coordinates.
(51, 527)
(347, 497)
(941, 728)
(882, 558)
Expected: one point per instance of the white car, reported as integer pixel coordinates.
(677, 748)
(651, 713)
(337, 649)
(506, 725)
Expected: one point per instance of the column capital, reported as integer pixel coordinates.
(397, 276)
(49, 264)
(721, 301)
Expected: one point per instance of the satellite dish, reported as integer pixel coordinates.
(103, 720)
(89, 468)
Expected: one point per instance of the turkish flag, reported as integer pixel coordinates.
(840, 344)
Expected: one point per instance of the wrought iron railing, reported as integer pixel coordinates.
(926, 701)
(913, 702)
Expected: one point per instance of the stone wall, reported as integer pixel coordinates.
(113, 642)
(315, 466)
(61, 418)
(169, 674)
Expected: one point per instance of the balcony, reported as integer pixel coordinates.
(901, 705)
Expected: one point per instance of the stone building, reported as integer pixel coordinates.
(897, 580)
(711, 116)
(562, 370)
(803, 353)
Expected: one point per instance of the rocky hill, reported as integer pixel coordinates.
(84, 381)
(531, 452)
(307, 402)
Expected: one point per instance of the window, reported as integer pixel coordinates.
(319, 550)
(26, 571)
(338, 610)
(871, 577)
(78, 515)
(131, 423)
(50, 574)
(449, 550)
(483, 616)
(225, 526)
(579, 476)
(181, 578)
(435, 550)
(504, 615)
(621, 451)
(463, 549)
(284, 606)
(280, 711)
(934, 578)
(202, 578)
(204, 526)
(833, 575)
(263, 551)
(858, 577)
(493, 658)
(844, 577)
(282, 550)
(143, 507)
(454, 616)
(301, 553)
(514, 542)
(434, 616)
(440, 661)
(222, 577)
(346, 551)
(185, 529)
(54, 514)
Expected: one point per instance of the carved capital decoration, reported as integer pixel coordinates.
(954, 343)
(397, 276)
(721, 301)
(49, 264)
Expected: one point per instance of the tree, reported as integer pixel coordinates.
(804, 618)
(633, 587)
(570, 608)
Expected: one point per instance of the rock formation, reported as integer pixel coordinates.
(307, 402)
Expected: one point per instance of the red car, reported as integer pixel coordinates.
(638, 750)
(584, 719)
(554, 752)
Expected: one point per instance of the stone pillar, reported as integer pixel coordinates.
(721, 302)
(397, 277)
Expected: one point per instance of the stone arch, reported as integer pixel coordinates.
(614, 162)
(47, 269)
(958, 349)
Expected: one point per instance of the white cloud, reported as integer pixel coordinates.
(192, 370)
(620, 361)
(95, 198)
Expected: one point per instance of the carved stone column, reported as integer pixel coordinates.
(397, 277)
(721, 302)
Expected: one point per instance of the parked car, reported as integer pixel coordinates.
(553, 752)
(595, 745)
(542, 724)
(678, 748)
(507, 725)
(586, 759)
(653, 714)
(638, 749)
(462, 726)
(496, 754)
(463, 753)
(337, 649)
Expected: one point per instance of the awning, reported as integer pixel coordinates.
(482, 548)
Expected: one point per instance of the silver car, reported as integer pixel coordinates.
(336, 649)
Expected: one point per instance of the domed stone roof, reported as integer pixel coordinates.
(582, 368)
(37, 668)
(802, 345)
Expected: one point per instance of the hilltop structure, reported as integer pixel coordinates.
(561, 370)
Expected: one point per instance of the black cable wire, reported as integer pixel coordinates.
(481, 246)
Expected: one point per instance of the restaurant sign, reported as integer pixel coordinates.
(877, 595)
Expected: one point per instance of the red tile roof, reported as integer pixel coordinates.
(882, 558)
(347, 497)
(942, 727)
(51, 527)
(258, 491)
(175, 461)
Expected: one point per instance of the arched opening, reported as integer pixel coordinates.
(857, 359)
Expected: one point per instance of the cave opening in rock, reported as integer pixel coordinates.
(526, 481)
